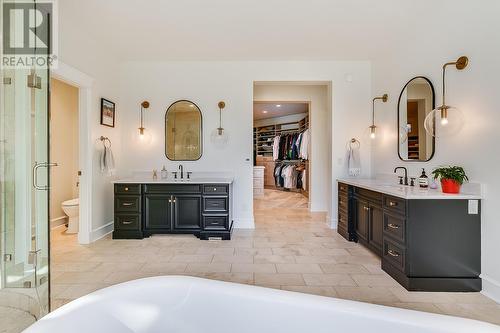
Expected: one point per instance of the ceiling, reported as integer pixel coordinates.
(162, 30)
(277, 109)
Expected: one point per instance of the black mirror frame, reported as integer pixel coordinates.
(397, 124)
(201, 131)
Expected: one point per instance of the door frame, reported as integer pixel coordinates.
(84, 84)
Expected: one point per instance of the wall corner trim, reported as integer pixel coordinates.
(101, 232)
(491, 288)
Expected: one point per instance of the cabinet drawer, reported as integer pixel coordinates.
(127, 222)
(172, 188)
(394, 254)
(395, 204)
(258, 183)
(215, 204)
(394, 226)
(127, 203)
(215, 222)
(215, 189)
(343, 203)
(128, 188)
(343, 220)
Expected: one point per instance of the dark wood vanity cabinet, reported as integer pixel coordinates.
(200, 209)
(424, 244)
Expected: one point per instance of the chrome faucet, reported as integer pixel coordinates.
(405, 177)
(181, 168)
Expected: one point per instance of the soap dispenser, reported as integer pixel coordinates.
(164, 173)
(423, 180)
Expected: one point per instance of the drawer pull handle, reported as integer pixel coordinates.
(127, 222)
(393, 253)
(393, 226)
(366, 208)
(127, 204)
(393, 203)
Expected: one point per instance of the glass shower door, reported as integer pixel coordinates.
(24, 180)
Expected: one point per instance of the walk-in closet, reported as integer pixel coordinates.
(281, 139)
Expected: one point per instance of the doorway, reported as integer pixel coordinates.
(64, 150)
(292, 128)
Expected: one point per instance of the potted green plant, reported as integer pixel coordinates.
(452, 177)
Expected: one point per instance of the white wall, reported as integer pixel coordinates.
(205, 83)
(88, 56)
(320, 154)
(472, 32)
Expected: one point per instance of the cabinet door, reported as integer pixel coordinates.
(361, 219)
(376, 228)
(158, 212)
(187, 212)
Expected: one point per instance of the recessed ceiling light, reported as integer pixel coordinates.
(264, 111)
(278, 105)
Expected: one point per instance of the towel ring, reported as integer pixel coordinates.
(353, 144)
(105, 140)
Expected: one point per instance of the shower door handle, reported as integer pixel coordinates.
(35, 175)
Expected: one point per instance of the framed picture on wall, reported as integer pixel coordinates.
(107, 113)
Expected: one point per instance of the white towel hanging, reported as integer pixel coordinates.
(353, 158)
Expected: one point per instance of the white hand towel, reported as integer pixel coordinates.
(353, 161)
(107, 161)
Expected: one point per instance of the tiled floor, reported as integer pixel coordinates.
(290, 249)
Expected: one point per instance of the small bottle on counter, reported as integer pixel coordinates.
(164, 173)
(423, 180)
(155, 174)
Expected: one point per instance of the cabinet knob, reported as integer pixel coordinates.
(366, 208)
(393, 203)
(215, 189)
(126, 188)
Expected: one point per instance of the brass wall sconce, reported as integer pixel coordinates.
(373, 128)
(219, 135)
(144, 136)
(446, 120)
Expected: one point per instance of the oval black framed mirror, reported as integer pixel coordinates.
(416, 101)
(183, 131)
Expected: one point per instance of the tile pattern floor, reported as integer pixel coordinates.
(290, 249)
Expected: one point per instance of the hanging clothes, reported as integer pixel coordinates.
(304, 145)
(291, 146)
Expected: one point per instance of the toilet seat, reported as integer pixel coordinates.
(70, 203)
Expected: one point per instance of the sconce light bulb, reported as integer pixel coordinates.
(373, 130)
(444, 121)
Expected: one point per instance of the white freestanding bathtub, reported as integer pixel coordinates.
(186, 304)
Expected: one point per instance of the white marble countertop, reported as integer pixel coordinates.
(409, 192)
(208, 180)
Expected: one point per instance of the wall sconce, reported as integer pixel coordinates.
(373, 128)
(144, 135)
(446, 120)
(219, 135)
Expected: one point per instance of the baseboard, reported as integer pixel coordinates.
(58, 221)
(101, 232)
(332, 223)
(244, 223)
(491, 288)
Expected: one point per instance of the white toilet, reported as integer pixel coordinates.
(71, 208)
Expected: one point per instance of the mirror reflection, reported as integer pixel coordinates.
(415, 102)
(183, 132)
